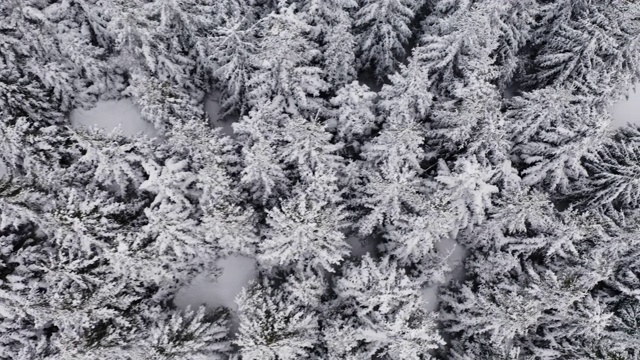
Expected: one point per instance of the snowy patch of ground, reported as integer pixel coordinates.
(430, 297)
(627, 111)
(455, 253)
(358, 247)
(212, 108)
(108, 115)
(3, 169)
(237, 271)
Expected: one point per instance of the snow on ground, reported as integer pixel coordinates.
(358, 248)
(627, 111)
(237, 271)
(212, 108)
(110, 114)
(3, 169)
(430, 297)
(455, 254)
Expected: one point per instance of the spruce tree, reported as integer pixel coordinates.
(382, 32)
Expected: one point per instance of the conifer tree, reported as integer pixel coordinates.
(612, 173)
(408, 95)
(262, 174)
(233, 45)
(339, 52)
(587, 45)
(274, 324)
(552, 130)
(378, 313)
(353, 118)
(285, 73)
(468, 189)
(141, 33)
(515, 25)
(302, 232)
(458, 42)
(331, 27)
(382, 31)
(188, 334)
(457, 51)
(226, 12)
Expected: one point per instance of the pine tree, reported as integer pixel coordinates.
(224, 217)
(19, 208)
(391, 193)
(285, 73)
(388, 196)
(262, 174)
(111, 162)
(61, 57)
(163, 103)
(508, 309)
(408, 95)
(548, 267)
(188, 334)
(226, 12)
(469, 190)
(56, 283)
(303, 233)
(306, 145)
(624, 328)
(378, 312)
(172, 238)
(587, 45)
(458, 42)
(83, 42)
(35, 92)
(233, 46)
(339, 52)
(331, 25)
(411, 239)
(457, 51)
(165, 38)
(354, 116)
(471, 123)
(274, 324)
(398, 146)
(552, 129)
(74, 287)
(612, 174)
(382, 32)
(515, 25)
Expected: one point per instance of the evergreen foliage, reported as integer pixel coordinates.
(412, 180)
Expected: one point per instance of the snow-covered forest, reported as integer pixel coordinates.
(319, 179)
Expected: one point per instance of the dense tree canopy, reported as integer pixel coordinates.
(413, 179)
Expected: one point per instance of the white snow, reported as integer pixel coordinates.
(455, 253)
(3, 169)
(237, 271)
(212, 108)
(627, 111)
(110, 114)
(430, 297)
(358, 249)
